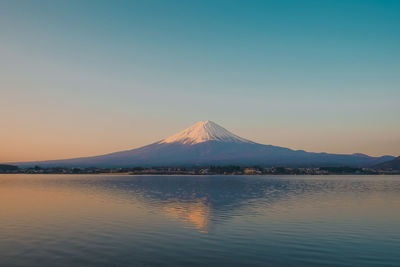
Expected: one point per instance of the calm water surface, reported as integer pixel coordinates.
(105, 220)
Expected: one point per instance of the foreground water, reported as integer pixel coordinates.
(104, 220)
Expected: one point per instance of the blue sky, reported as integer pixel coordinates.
(85, 77)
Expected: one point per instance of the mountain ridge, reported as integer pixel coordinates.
(393, 164)
(207, 143)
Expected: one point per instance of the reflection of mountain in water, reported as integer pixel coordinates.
(197, 201)
(196, 213)
(202, 201)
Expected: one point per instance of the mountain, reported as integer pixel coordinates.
(204, 131)
(207, 143)
(389, 165)
(6, 168)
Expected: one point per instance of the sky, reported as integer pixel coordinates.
(82, 78)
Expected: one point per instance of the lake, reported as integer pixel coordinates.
(122, 220)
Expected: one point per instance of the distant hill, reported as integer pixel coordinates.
(389, 165)
(7, 167)
(207, 143)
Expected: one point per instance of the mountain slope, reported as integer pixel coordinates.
(207, 143)
(389, 165)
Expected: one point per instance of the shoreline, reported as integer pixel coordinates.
(214, 174)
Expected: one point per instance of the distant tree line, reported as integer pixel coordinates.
(198, 170)
(8, 168)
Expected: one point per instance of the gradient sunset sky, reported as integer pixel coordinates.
(81, 78)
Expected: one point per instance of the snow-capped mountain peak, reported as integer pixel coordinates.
(204, 131)
(207, 143)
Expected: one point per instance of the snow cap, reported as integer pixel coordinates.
(204, 131)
